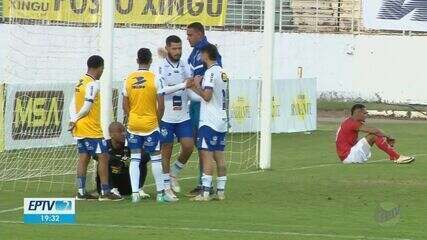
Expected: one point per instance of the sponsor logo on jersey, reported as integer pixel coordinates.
(140, 83)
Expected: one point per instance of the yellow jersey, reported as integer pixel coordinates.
(141, 89)
(88, 126)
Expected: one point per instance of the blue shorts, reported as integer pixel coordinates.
(149, 143)
(180, 130)
(210, 140)
(195, 115)
(92, 146)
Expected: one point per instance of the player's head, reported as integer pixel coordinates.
(359, 112)
(195, 32)
(117, 132)
(95, 65)
(209, 53)
(144, 56)
(174, 47)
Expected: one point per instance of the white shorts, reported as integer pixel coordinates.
(359, 153)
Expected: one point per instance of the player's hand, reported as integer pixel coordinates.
(391, 140)
(189, 83)
(71, 126)
(197, 80)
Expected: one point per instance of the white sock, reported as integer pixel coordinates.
(157, 170)
(220, 183)
(134, 174)
(167, 180)
(176, 168)
(206, 182)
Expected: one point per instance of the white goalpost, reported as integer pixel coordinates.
(266, 85)
(106, 46)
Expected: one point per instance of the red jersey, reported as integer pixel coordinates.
(347, 136)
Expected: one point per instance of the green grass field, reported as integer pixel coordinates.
(308, 195)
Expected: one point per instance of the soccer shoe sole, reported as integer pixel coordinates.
(410, 160)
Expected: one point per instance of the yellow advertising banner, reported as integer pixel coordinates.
(208, 12)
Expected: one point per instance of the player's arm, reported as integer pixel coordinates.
(125, 104)
(160, 106)
(371, 130)
(164, 90)
(206, 91)
(91, 91)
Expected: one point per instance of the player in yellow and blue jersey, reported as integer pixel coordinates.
(85, 124)
(143, 104)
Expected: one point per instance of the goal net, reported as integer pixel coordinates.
(46, 46)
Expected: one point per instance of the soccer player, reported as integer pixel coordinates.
(352, 150)
(119, 155)
(85, 125)
(176, 119)
(197, 39)
(143, 105)
(213, 122)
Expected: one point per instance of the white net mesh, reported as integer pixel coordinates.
(43, 61)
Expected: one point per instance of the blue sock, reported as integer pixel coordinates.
(81, 183)
(105, 188)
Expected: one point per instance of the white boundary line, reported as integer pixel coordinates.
(223, 230)
(11, 210)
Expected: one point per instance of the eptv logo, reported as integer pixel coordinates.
(398, 9)
(49, 210)
(46, 205)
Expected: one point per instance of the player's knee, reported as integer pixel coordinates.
(188, 147)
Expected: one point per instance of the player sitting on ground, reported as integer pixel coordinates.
(176, 119)
(119, 163)
(352, 150)
(85, 125)
(143, 105)
(213, 122)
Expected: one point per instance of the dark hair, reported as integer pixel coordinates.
(173, 39)
(197, 26)
(212, 51)
(144, 56)
(95, 61)
(356, 107)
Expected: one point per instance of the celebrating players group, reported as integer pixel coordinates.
(176, 98)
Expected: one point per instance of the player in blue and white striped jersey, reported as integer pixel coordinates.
(213, 124)
(176, 118)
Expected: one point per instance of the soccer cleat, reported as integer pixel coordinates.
(220, 195)
(86, 196)
(136, 197)
(404, 160)
(196, 191)
(143, 194)
(109, 197)
(116, 192)
(201, 198)
(175, 185)
(168, 196)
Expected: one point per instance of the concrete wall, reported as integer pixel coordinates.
(391, 66)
